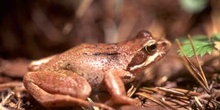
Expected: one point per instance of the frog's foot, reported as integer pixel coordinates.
(115, 87)
(57, 100)
(55, 89)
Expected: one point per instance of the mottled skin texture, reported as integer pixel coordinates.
(93, 67)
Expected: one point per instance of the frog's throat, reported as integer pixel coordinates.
(149, 60)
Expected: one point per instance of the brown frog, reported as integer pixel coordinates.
(70, 77)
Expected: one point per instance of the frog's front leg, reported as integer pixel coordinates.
(115, 86)
(56, 89)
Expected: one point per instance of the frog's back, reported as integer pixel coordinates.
(95, 57)
(89, 60)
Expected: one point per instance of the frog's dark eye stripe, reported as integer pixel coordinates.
(151, 46)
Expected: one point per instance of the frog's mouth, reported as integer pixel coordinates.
(162, 48)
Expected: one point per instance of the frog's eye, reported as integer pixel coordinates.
(151, 46)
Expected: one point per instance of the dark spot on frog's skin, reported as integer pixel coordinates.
(126, 77)
(105, 53)
(95, 45)
(102, 53)
(85, 53)
(111, 48)
(65, 66)
(96, 78)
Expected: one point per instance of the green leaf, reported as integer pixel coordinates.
(216, 37)
(201, 44)
(193, 6)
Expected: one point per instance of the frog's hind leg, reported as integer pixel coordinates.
(55, 89)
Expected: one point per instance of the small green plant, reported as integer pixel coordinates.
(193, 6)
(202, 45)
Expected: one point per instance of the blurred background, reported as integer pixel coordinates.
(34, 29)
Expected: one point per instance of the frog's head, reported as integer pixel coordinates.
(146, 50)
